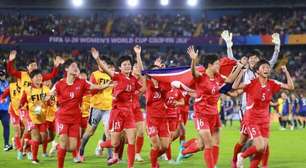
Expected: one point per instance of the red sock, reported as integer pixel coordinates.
(265, 157)
(75, 153)
(255, 161)
(237, 149)
(131, 155)
(18, 143)
(154, 155)
(45, 145)
(106, 144)
(34, 148)
(168, 152)
(192, 148)
(189, 142)
(139, 144)
(216, 154)
(61, 153)
(209, 158)
(250, 151)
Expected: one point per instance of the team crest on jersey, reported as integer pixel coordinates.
(157, 95)
(71, 94)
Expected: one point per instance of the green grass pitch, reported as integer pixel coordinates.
(288, 150)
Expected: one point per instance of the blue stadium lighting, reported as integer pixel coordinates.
(132, 3)
(192, 3)
(77, 3)
(164, 2)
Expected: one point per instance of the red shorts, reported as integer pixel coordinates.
(50, 126)
(41, 127)
(243, 128)
(138, 114)
(158, 126)
(173, 124)
(257, 130)
(84, 122)
(15, 119)
(121, 119)
(211, 122)
(71, 130)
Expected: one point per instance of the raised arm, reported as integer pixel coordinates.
(277, 42)
(10, 67)
(227, 37)
(289, 85)
(194, 56)
(234, 74)
(57, 61)
(99, 87)
(103, 66)
(237, 83)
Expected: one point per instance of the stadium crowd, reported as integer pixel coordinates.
(113, 24)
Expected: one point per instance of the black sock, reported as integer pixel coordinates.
(285, 123)
(280, 121)
(304, 124)
(295, 123)
(300, 123)
(104, 137)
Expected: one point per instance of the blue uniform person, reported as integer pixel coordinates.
(302, 110)
(295, 110)
(4, 115)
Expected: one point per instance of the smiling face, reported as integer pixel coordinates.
(37, 80)
(126, 67)
(253, 61)
(73, 69)
(264, 70)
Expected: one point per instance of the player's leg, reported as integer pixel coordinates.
(115, 143)
(258, 145)
(94, 119)
(216, 142)
(205, 135)
(239, 145)
(105, 120)
(139, 140)
(35, 141)
(155, 150)
(5, 120)
(131, 136)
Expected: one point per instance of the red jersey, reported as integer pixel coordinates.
(69, 98)
(258, 100)
(124, 89)
(207, 91)
(185, 108)
(155, 100)
(136, 103)
(172, 95)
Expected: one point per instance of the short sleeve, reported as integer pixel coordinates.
(86, 85)
(248, 86)
(276, 86)
(116, 76)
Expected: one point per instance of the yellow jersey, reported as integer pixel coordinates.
(36, 107)
(51, 109)
(85, 106)
(101, 100)
(15, 96)
(280, 103)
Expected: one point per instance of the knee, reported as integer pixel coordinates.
(260, 147)
(72, 147)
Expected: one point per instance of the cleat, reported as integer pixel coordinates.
(239, 161)
(19, 155)
(8, 148)
(138, 158)
(112, 161)
(35, 161)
